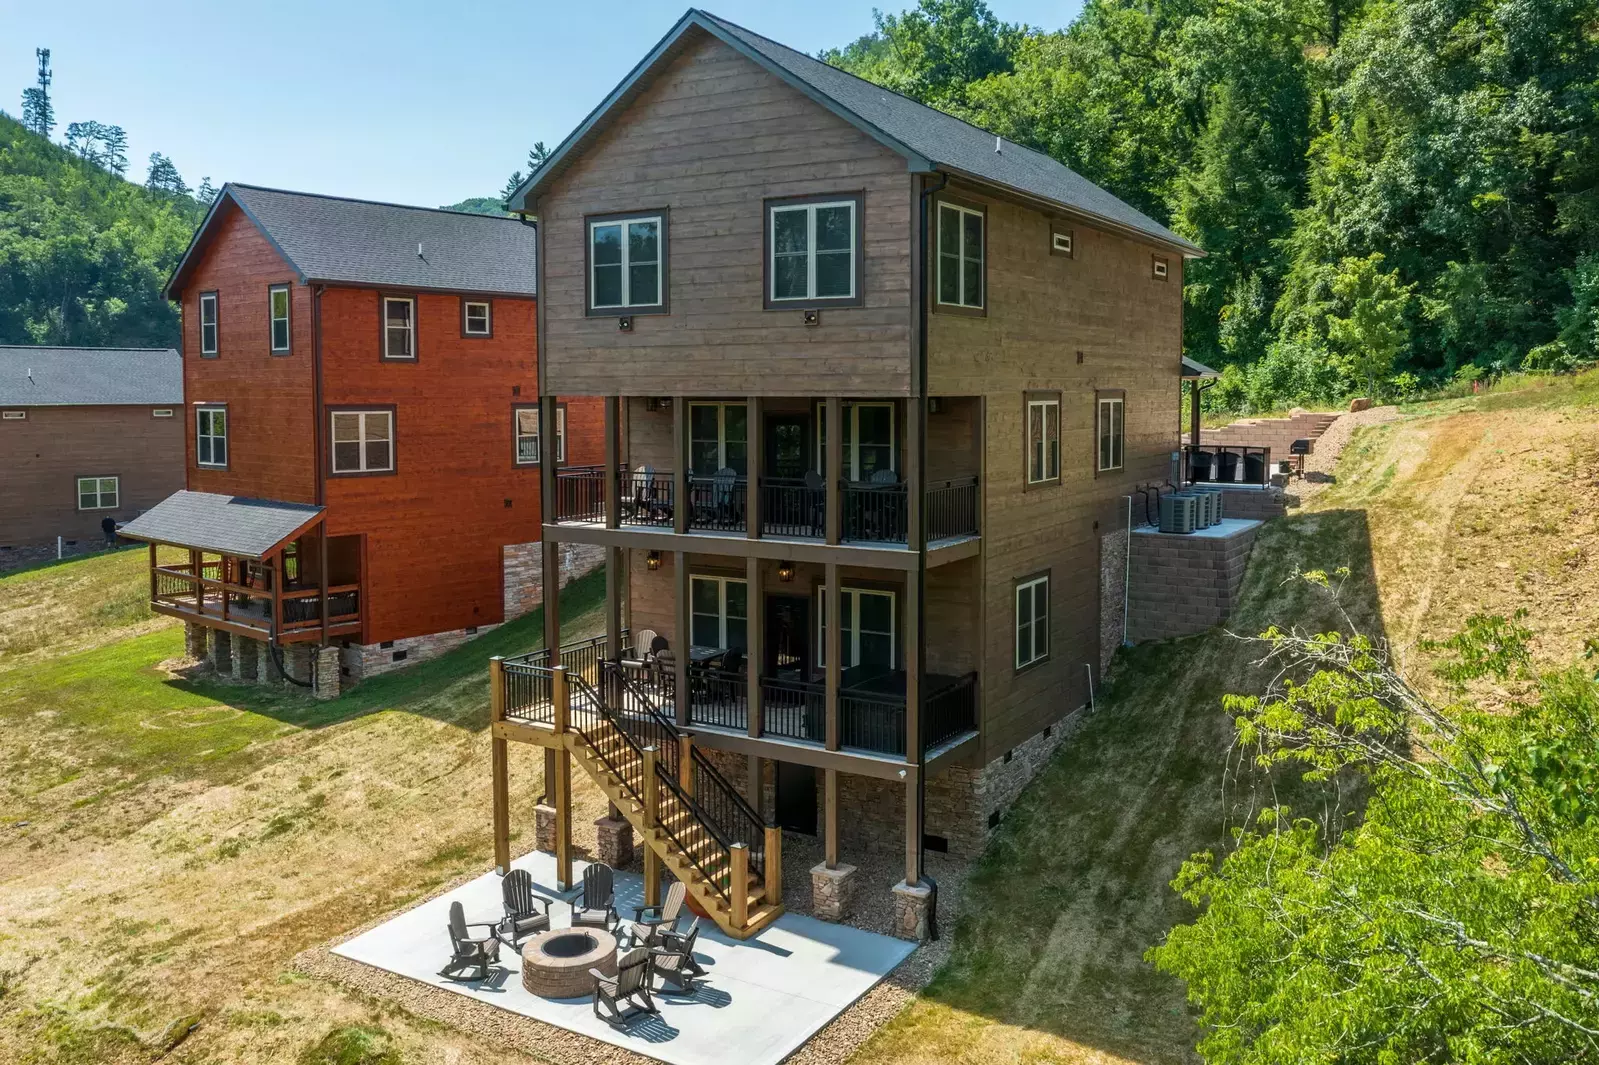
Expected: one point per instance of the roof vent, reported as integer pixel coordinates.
(419, 249)
(996, 144)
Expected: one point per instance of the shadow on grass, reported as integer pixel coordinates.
(1074, 886)
(453, 687)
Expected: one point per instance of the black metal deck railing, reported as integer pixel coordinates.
(580, 493)
(952, 508)
(717, 698)
(794, 709)
(1227, 464)
(646, 498)
(949, 710)
(874, 513)
(871, 721)
(718, 505)
(790, 507)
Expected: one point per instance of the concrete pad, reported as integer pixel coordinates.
(763, 999)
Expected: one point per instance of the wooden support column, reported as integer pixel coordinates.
(739, 853)
(551, 550)
(833, 651)
(830, 818)
(548, 798)
(916, 579)
(196, 570)
(913, 826)
(153, 577)
(754, 772)
(500, 759)
(680, 606)
(754, 643)
(613, 604)
(613, 462)
(774, 865)
(651, 818)
(1193, 411)
(322, 573)
(685, 764)
(562, 799)
(680, 500)
(833, 424)
(755, 452)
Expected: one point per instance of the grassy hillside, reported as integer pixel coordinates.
(83, 253)
(1477, 504)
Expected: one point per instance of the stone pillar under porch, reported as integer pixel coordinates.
(194, 640)
(325, 675)
(246, 658)
(222, 652)
(266, 669)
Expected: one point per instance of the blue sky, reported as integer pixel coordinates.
(413, 102)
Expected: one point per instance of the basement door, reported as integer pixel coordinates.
(796, 797)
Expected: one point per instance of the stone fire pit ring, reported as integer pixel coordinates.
(556, 964)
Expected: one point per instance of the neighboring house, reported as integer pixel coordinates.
(86, 434)
(884, 382)
(363, 434)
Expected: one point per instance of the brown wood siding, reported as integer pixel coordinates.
(270, 442)
(710, 140)
(46, 452)
(1042, 310)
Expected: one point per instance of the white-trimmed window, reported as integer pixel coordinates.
(813, 251)
(718, 612)
(1061, 242)
(869, 439)
(625, 263)
(867, 627)
(399, 327)
(1112, 433)
(476, 319)
(211, 436)
(208, 323)
(98, 493)
(718, 437)
(1032, 621)
(1043, 439)
(363, 441)
(278, 308)
(527, 435)
(960, 256)
(1159, 269)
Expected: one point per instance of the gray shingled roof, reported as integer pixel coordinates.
(1195, 368)
(359, 242)
(59, 377)
(231, 525)
(929, 138)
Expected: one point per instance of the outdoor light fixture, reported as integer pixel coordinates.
(785, 571)
(653, 560)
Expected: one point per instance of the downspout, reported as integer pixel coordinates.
(922, 281)
(1127, 572)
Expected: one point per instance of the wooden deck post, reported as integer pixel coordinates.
(560, 700)
(683, 637)
(685, 764)
(913, 826)
(773, 876)
(754, 644)
(680, 500)
(322, 571)
(550, 516)
(500, 758)
(752, 481)
(652, 876)
(651, 818)
(739, 853)
(830, 817)
(834, 471)
(153, 574)
(613, 463)
(833, 650)
(562, 799)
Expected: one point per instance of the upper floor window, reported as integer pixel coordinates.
(208, 323)
(1043, 438)
(627, 264)
(211, 436)
(1160, 268)
(527, 435)
(278, 306)
(866, 628)
(960, 256)
(98, 493)
(1111, 432)
(1061, 242)
(476, 318)
(718, 437)
(363, 441)
(1032, 620)
(869, 444)
(814, 252)
(399, 327)
(718, 612)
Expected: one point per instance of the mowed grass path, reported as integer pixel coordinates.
(1490, 503)
(167, 846)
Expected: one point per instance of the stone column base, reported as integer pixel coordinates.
(832, 891)
(325, 673)
(615, 842)
(194, 640)
(544, 828)
(222, 651)
(246, 658)
(266, 667)
(912, 904)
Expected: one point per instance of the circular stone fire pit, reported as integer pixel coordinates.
(556, 964)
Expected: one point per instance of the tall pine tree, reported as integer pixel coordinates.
(38, 113)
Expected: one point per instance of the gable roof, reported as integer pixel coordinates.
(335, 240)
(929, 139)
(63, 377)
(232, 525)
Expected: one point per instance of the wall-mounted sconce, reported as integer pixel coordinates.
(935, 404)
(625, 323)
(813, 317)
(653, 561)
(785, 571)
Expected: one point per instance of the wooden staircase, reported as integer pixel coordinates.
(654, 790)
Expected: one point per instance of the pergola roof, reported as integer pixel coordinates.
(229, 525)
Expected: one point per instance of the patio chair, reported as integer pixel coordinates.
(630, 984)
(816, 498)
(674, 958)
(644, 644)
(479, 952)
(723, 485)
(650, 922)
(598, 906)
(525, 912)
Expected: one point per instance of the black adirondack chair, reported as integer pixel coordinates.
(673, 958)
(526, 914)
(598, 906)
(631, 984)
(470, 952)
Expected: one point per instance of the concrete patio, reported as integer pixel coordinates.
(763, 997)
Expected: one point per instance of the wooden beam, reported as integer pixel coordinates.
(773, 874)
(680, 501)
(500, 758)
(754, 771)
(830, 818)
(322, 580)
(913, 827)
(680, 697)
(833, 643)
(563, 819)
(915, 673)
(652, 876)
(613, 603)
(834, 468)
(613, 460)
(754, 643)
(864, 555)
(755, 452)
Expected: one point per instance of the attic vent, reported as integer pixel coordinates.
(14, 415)
(161, 412)
(996, 144)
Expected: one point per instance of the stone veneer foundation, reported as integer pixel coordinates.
(524, 572)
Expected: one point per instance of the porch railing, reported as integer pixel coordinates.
(527, 677)
(1227, 464)
(303, 608)
(646, 498)
(949, 711)
(871, 721)
(874, 513)
(717, 505)
(717, 698)
(789, 507)
(794, 709)
(580, 493)
(952, 508)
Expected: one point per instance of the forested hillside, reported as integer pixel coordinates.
(1392, 192)
(84, 253)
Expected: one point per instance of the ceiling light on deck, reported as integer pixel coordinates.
(653, 561)
(785, 571)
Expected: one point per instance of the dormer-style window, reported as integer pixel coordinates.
(208, 323)
(627, 264)
(399, 328)
(813, 251)
(960, 257)
(476, 320)
(278, 306)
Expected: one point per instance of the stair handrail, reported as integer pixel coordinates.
(675, 833)
(579, 686)
(740, 811)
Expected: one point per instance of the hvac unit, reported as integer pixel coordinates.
(1178, 513)
(1204, 507)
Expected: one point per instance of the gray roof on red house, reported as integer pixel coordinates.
(334, 240)
(61, 377)
(232, 525)
(929, 139)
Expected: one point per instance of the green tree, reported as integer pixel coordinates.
(1372, 331)
(164, 177)
(38, 111)
(1456, 916)
(933, 52)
